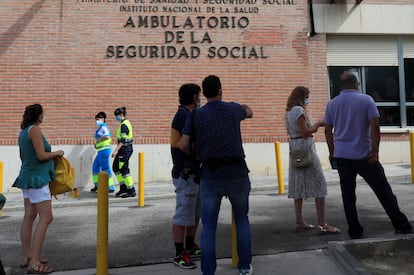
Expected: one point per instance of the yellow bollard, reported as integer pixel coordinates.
(234, 254)
(412, 155)
(102, 225)
(141, 198)
(279, 168)
(1, 183)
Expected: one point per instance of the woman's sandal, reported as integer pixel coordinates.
(304, 227)
(26, 260)
(39, 269)
(328, 229)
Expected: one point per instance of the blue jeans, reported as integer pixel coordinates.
(211, 194)
(375, 177)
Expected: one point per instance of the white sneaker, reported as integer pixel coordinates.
(247, 271)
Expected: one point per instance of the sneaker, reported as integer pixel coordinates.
(95, 189)
(130, 193)
(184, 261)
(122, 191)
(247, 271)
(195, 252)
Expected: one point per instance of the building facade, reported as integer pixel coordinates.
(79, 57)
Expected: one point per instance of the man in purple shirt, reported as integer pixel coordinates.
(352, 132)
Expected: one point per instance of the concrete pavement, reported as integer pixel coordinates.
(312, 261)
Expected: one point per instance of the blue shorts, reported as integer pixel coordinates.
(187, 208)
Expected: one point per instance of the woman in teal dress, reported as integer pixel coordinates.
(36, 171)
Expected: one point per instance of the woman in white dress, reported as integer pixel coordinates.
(309, 181)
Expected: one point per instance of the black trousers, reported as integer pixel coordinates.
(2, 272)
(375, 177)
(121, 161)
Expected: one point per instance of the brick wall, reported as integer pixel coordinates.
(54, 53)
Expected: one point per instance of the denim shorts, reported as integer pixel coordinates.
(37, 195)
(187, 208)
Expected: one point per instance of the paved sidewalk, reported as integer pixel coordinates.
(396, 173)
(302, 262)
(313, 261)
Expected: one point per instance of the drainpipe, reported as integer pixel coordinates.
(312, 22)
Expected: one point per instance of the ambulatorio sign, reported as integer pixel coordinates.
(188, 28)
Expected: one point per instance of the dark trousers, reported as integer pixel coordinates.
(375, 177)
(121, 161)
(2, 272)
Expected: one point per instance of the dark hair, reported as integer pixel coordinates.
(297, 97)
(101, 115)
(119, 111)
(211, 86)
(188, 93)
(348, 81)
(31, 115)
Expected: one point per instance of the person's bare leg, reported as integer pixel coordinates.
(192, 230)
(45, 218)
(324, 227)
(30, 214)
(178, 233)
(298, 212)
(320, 210)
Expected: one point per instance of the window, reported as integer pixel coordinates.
(409, 89)
(382, 84)
(384, 65)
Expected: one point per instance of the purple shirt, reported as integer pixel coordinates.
(350, 113)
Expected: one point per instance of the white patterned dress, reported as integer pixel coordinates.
(306, 182)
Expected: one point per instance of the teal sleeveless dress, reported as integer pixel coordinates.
(33, 172)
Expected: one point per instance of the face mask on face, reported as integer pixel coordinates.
(99, 123)
(306, 101)
(42, 118)
(118, 118)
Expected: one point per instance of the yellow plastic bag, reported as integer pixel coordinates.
(65, 177)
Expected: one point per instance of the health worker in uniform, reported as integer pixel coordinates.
(103, 139)
(122, 154)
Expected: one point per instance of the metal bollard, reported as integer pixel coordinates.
(102, 225)
(279, 168)
(141, 196)
(234, 254)
(412, 155)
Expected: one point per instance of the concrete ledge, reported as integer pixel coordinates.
(347, 253)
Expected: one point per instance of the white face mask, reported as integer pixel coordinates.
(99, 123)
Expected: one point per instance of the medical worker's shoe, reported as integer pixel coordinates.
(122, 191)
(184, 261)
(247, 271)
(94, 189)
(195, 252)
(129, 194)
